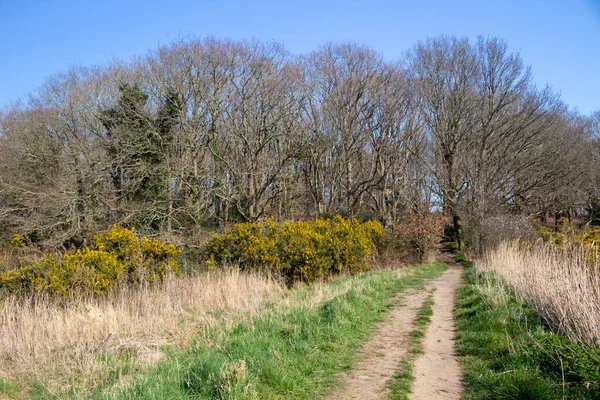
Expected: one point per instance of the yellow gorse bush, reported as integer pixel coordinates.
(118, 257)
(564, 234)
(17, 241)
(590, 237)
(568, 235)
(301, 251)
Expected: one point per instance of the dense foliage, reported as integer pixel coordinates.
(301, 251)
(118, 257)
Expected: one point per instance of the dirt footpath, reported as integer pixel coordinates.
(437, 373)
(381, 356)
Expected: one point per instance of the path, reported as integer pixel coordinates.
(437, 373)
(381, 356)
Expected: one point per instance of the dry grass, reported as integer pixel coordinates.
(59, 346)
(559, 284)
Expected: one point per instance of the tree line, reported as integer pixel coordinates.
(208, 131)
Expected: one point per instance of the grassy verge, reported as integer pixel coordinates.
(401, 385)
(291, 351)
(7, 390)
(508, 352)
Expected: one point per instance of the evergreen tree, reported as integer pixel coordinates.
(138, 146)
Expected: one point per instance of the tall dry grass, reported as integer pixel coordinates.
(61, 346)
(58, 345)
(560, 284)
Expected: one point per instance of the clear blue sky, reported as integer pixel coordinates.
(560, 39)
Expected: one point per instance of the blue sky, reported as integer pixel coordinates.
(560, 39)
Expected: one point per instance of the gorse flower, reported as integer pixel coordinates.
(567, 235)
(17, 241)
(118, 257)
(301, 251)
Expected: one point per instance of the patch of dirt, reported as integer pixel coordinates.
(381, 356)
(437, 371)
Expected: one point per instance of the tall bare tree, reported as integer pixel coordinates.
(204, 131)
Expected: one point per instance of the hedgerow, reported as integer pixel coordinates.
(118, 257)
(301, 251)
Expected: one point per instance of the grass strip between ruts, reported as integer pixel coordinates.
(401, 385)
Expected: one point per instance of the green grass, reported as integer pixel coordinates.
(7, 389)
(424, 314)
(288, 354)
(508, 352)
(401, 385)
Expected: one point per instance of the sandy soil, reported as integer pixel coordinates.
(381, 356)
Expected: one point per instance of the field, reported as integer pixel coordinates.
(223, 334)
(297, 310)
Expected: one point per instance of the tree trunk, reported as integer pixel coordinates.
(169, 227)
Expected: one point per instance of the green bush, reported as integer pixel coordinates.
(118, 257)
(300, 251)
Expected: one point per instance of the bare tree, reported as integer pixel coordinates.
(345, 83)
(512, 118)
(255, 150)
(204, 131)
(445, 71)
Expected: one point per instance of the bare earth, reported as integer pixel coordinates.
(437, 373)
(381, 356)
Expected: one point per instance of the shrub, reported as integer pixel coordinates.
(569, 236)
(418, 233)
(15, 252)
(17, 241)
(118, 257)
(301, 251)
(247, 244)
(563, 234)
